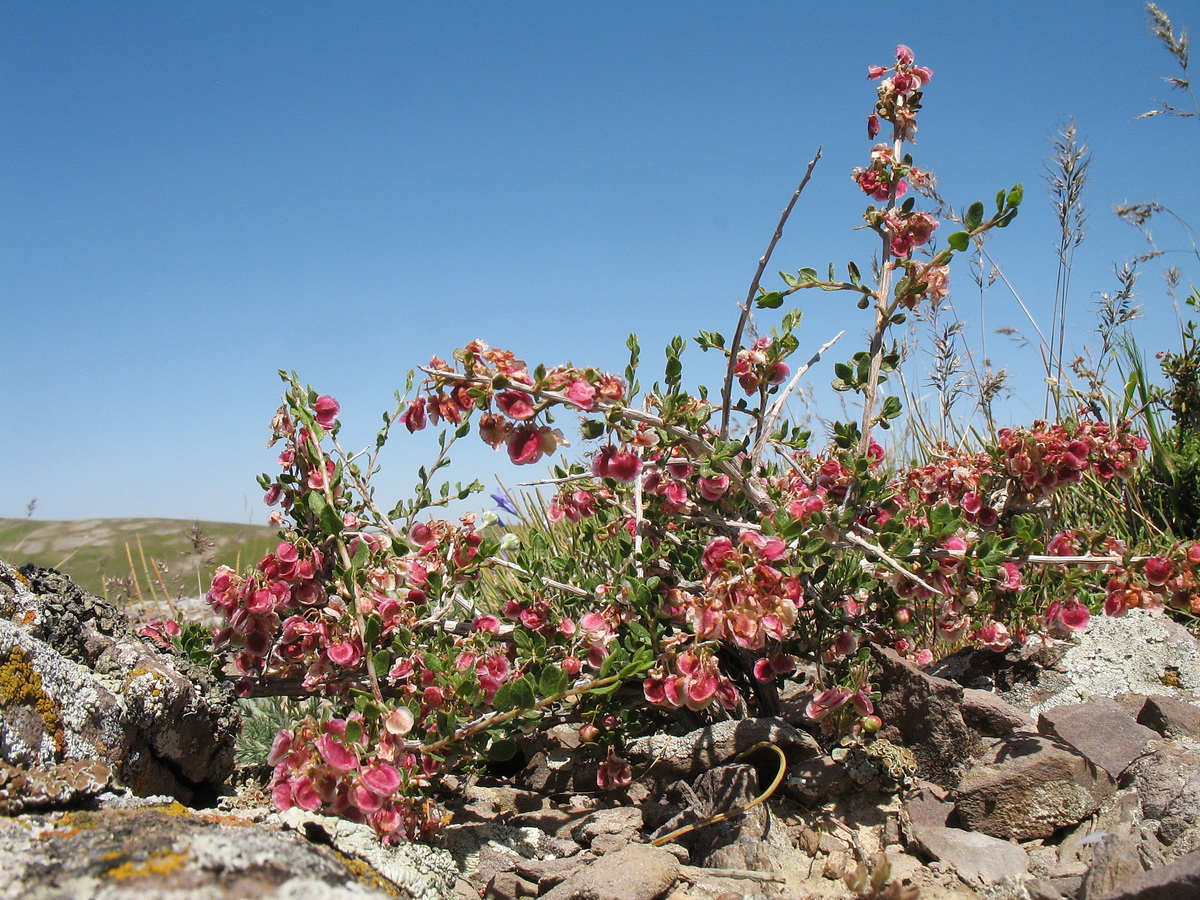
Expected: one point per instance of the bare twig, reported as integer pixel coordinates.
(727, 391)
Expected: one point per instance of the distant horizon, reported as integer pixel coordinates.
(196, 196)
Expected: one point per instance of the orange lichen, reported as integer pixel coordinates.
(154, 866)
(21, 685)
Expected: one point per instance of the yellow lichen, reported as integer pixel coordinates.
(21, 685)
(365, 874)
(155, 866)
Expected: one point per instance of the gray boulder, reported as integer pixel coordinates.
(76, 683)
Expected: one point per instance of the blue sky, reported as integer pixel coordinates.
(195, 195)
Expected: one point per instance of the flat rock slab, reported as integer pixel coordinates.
(636, 872)
(977, 858)
(1102, 730)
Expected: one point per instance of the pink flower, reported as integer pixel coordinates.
(1157, 570)
(826, 702)
(529, 443)
(874, 72)
(414, 417)
(994, 636)
(381, 778)
(336, 755)
(713, 489)
(1066, 617)
(873, 121)
(904, 55)
(326, 410)
(622, 465)
(345, 653)
(614, 772)
(1012, 577)
(515, 404)
(581, 394)
(717, 554)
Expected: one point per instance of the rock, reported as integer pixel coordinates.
(623, 821)
(1170, 717)
(1117, 859)
(166, 852)
(991, 715)
(1175, 881)
(977, 858)
(51, 787)
(1138, 652)
(926, 805)
(509, 886)
(686, 756)
(77, 684)
(1029, 786)
(1167, 783)
(1101, 730)
(924, 713)
(752, 839)
(637, 872)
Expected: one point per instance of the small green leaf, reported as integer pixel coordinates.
(331, 522)
(1016, 195)
(960, 241)
(974, 216)
(771, 300)
(501, 750)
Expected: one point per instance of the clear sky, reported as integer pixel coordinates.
(195, 195)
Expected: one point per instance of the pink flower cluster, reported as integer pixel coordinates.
(899, 95)
(745, 598)
(509, 399)
(1170, 581)
(758, 365)
(291, 578)
(958, 479)
(692, 678)
(1045, 457)
(335, 766)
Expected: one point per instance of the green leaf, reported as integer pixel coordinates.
(331, 522)
(554, 680)
(974, 216)
(772, 300)
(807, 275)
(855, 275)
(501, 750)
(522, 692)
(960, 241)
(1016, 195)
(371, 628)
(353, 731)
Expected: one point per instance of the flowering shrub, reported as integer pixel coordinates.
(694, 559)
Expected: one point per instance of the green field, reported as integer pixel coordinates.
(150, 567)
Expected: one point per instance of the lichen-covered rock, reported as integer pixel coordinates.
(48, 787)
(76, 683)
(166, 852)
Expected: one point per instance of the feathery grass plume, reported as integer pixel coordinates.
(1066, 174)
(1177, 46)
